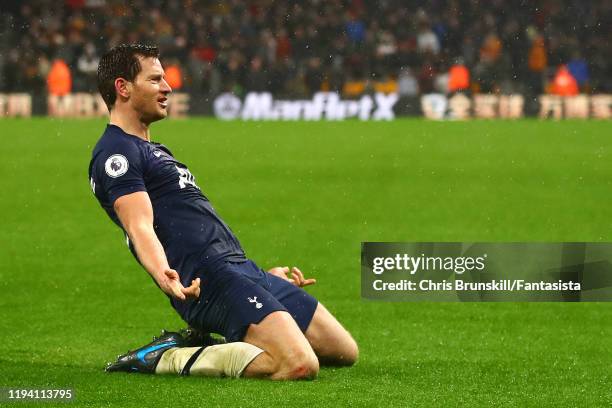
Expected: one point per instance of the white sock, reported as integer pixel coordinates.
(221, 360)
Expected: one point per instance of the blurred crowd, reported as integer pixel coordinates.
(297, 48)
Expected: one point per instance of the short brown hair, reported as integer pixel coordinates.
(121, 62)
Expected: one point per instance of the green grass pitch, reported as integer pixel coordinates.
(308, 194)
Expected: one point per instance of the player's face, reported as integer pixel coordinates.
(149, 96)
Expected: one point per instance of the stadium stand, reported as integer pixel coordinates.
(298, 48)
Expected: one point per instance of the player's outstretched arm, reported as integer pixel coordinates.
(297, 277)
(136, 215)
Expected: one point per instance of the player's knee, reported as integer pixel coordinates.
(349, 354)
(298, 365)
(305, 367)
(345, 354)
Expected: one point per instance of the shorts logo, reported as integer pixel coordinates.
(157, 153)
(254, 300)
(116, 165)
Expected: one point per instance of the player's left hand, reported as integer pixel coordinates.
(297, 277)
(170, 283)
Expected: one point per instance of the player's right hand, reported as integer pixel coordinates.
(171, 284)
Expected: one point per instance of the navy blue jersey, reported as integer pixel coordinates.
(191, 232)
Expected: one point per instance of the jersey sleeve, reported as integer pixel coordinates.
(120, 170)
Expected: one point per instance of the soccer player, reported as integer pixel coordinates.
(274, 328)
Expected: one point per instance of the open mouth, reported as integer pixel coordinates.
(163, 102)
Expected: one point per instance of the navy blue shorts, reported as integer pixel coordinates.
(236, 295)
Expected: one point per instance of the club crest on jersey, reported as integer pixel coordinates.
(116, 165)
